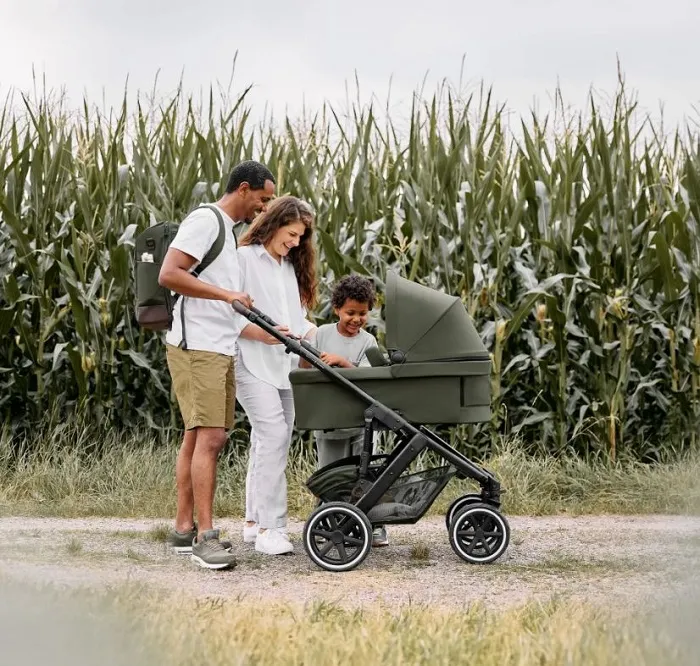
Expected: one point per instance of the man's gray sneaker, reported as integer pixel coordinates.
(210, 553)
(181, 542)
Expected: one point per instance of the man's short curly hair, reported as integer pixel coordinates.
(353, 287)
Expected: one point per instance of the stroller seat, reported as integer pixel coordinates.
(437, 371)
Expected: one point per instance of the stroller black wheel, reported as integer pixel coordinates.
(460, 503)
(337, 536)
(479, 534)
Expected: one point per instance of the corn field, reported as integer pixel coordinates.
(572, 240)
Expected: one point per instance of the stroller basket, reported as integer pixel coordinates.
(407, 499)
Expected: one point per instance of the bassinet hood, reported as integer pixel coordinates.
(428, 325)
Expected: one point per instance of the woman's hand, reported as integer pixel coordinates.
(269, 339)
(336, 359)
(254, 332)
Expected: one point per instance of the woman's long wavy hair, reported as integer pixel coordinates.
(280, 213)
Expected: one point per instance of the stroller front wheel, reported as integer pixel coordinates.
(479, 534)
(459, 504)
(337, 536)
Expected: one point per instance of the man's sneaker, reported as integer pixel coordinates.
(210, 553)
(379, 537)
(273, 542)
(181, 542)
(250, 533)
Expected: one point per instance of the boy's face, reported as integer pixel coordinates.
(352, 316)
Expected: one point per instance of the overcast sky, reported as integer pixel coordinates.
(296, 51)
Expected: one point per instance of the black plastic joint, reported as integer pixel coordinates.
(491, 491)
(385, 416)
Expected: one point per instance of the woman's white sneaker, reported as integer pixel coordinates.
(273, 542)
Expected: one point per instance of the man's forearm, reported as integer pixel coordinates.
(186, 284)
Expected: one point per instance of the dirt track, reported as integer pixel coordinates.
(615, 560)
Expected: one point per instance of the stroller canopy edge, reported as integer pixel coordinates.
(426, 324)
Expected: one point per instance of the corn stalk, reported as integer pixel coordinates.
(573, 242)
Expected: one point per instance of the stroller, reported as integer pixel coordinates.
(437, 371)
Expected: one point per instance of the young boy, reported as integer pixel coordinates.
(344, 344)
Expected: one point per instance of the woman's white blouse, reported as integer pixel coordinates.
(275, 292)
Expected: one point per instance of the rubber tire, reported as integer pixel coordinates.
(459, 519)
(460, 503)
(348, 509)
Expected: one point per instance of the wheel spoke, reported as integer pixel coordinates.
(492, 535)
(478, 521)
(333, 523)
(322, 533)
(348, 526)
(353, 541)
(471, 546)
(490, 526)
(326, 548)
(343, 553)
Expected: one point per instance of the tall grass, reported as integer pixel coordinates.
(573, 243)
(62, 473)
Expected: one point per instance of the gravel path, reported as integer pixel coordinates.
(603, 559)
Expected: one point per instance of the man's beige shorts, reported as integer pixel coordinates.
(205, 387)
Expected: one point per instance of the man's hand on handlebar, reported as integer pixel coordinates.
(241, 296)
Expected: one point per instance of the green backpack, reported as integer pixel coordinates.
(154, 303)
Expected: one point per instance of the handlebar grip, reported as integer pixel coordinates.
(262, 316)
(240, 308)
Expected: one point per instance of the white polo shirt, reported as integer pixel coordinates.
(275, 291)
(209, 325)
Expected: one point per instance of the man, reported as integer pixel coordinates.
(202, 369)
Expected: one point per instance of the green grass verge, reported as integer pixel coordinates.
(134, 476)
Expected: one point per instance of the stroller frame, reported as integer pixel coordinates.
(476, 514)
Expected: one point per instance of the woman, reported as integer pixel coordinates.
(278, 270)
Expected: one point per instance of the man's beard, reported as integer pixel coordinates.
(250, 220)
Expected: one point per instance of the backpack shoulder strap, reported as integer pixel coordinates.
(213, 253)
(217, 246)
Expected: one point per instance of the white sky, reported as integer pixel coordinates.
(296, 51)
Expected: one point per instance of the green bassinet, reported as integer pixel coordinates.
(438, 371)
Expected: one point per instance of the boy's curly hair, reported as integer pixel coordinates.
(353, 287)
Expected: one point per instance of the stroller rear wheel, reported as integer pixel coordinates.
(479, 534)
(337, 536)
